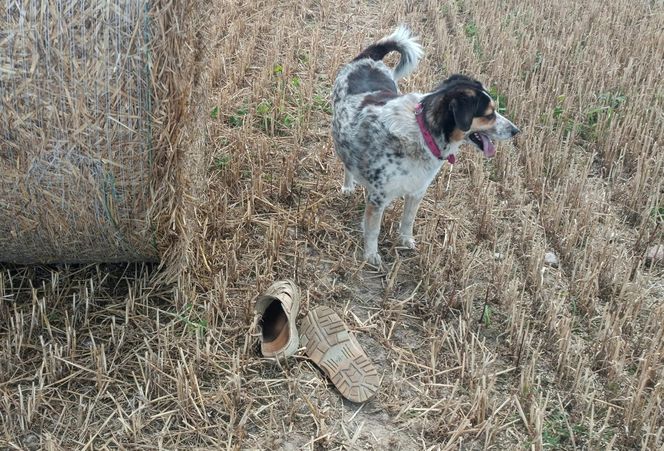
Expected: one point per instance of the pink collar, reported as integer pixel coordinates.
(431, 143)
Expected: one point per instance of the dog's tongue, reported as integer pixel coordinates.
(487, 146)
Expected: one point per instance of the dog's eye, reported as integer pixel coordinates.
(491, 116)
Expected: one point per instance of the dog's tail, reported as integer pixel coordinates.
(401, 41)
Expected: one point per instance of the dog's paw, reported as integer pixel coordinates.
(408, 242)
(347, 190)
(373, 258)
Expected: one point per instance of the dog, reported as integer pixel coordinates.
(394, 144)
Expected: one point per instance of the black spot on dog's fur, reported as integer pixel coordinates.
(392, 142)
(376, 198)
(369, 79)
(378, 99)
(376, 174)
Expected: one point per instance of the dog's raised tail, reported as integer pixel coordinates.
(402, 41)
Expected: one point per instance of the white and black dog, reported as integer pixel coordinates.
(394, 144)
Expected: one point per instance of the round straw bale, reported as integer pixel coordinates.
(86, 127)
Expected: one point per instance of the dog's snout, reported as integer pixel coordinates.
(505, 128)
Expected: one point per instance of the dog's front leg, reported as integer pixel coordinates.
(411, 205)
(373, 215)
(349, 182)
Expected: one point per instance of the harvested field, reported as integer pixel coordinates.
(480, 344)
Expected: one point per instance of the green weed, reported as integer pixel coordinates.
(558, 110)
(288, 120)
(471, 33)
(274, 119)
(609, 103)
(277, 117)
(500, 99)
(237, 119)
(555, 433)
(538, 61)
(486, 315)
(221, 161)
(193, 326)
(471, 30)
(322, 103)
(586, 126)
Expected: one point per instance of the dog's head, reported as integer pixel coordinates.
(460, 109)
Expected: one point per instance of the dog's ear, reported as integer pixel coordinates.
(463, 108)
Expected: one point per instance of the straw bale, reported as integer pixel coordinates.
(89, 102)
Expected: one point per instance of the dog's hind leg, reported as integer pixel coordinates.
(373, 215)
(411, 205)
(349, 182)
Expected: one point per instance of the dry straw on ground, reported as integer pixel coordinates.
(91, 98)
(479, 344)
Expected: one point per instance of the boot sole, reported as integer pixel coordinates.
(330, 345)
